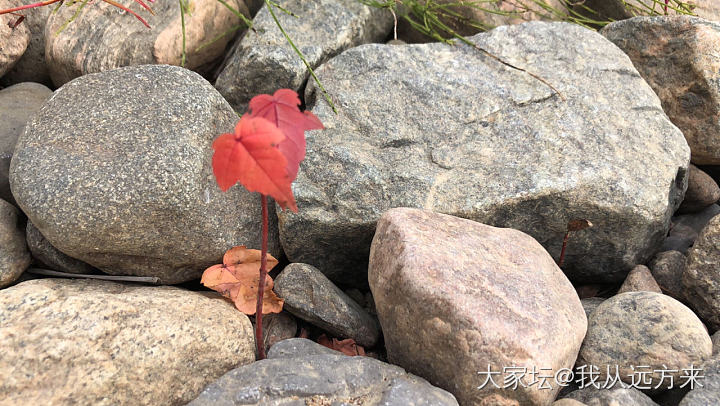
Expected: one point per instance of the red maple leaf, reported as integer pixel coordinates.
(282, 110)
(251, 156)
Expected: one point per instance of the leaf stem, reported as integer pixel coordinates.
(562, 251)
(261, 281)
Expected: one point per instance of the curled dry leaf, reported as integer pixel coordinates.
(577, 225)
(346, 346)
(237, 279)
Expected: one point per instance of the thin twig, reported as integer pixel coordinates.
(261, 280)
(140, 279)
(300, 54)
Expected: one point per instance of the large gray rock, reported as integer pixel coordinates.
(31, 67)
(462, 134)
(452, 296)
(51, 257)
(309, 295)
(678, 57)
(708, 393)
(17, 104)
(644, 329)
(14, 254)
(321, 379)
(263, 61)
(127, 185)
(81, 342)
(13, 41)
(102, 39)
(701, 280)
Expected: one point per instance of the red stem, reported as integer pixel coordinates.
(562, 252)
(27, 6)
(261, 281)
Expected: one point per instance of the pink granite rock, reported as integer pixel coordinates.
(640, 279)
(13, 41)
(456, 297)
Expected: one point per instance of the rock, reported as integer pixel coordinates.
(127, 186)
(590, 304)
(14, 255)
(503, 150)
(322, 379)
(103, 39)
(648, 329)
(310, 296)
(278, 327)
(701, 282)
(702, 191)
(715, 338)
(667, 268)
(71, 342)
(17, 104)
(471, 17)
(616, 396)
(31, 67)
(50, 256)
(263, 62)
(13, 41)
(686, 227)
(640, 279)
(709, 392)
(603, 10)
(678, 58)
(453, 292)
(567, 402)
(298, 348)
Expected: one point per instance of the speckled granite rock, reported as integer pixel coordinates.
(715, 338)
(297, 348)
(81, 342)
(590, 304)
(263, 62)
(309, 295)
(701, 281)
(17, 104)
(464, 135)
(709, 393)
(685, 228)
(667, 268)
(611, 397)
(127, 186)
(644, 329)
(451, 292)
(31, 67)
(14, 255)
(50, 256)
(321, 379)
(102, 39)
(640, 279)
(679, 58)
(702, 191)
(13, 41)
